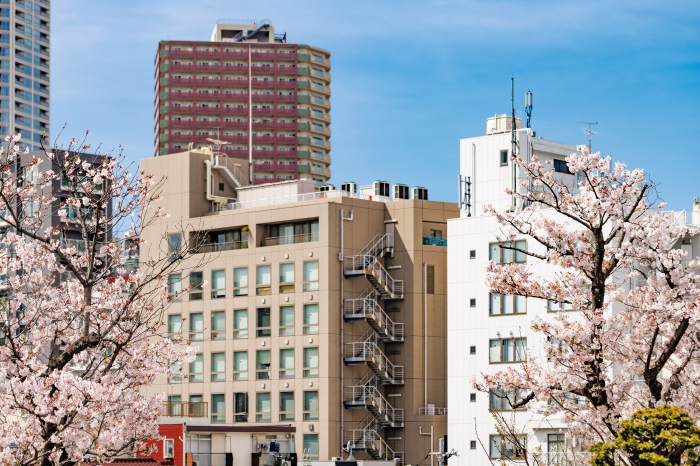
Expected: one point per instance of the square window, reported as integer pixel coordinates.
(472, 445)
(504, 157)
(472, 254)
(472, 350)
(472, 303)
(472, 397)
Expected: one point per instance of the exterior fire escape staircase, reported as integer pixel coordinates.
(365, 351)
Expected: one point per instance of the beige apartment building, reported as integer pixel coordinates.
(301, 341)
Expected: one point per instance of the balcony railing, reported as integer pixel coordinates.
(295, 239)
(185, 409)
(217, 247)
(432, 411)
(431, 241)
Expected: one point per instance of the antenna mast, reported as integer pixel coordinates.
(513, 143)
(589, 132)
(528, 107)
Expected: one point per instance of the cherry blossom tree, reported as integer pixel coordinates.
(80, 335)
(628, 339)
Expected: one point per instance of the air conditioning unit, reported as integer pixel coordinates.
(286, 463)
(336, 458)
(327, 187)
(420, 193)
(350, 187)
(377, 191)
(400, 192)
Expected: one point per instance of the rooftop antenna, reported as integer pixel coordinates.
(528, 107)
(589, 132)
(513, 143)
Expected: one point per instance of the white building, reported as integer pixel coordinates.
(485, 331)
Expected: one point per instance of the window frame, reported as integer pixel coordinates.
(311, 326)
(502, 346)
(238, 290)
(218, 417)
(260, 415)
(268, 370)
(310, 371)
(286, 416)
(264, 289)
(218, 293)
(263, 332)
(503, 152)
(502, 304)
(196, 377)
(310, 415)
(217, 376)
(308, 285)
(168, 448)
(287, 287)
(504, 398)
(238, 332)
(218, 334)
(472, 254)
(502, 441)
(244, 376)
(513, 251)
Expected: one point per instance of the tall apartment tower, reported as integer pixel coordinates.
(24, 70)
(265, 101)
(322, 323)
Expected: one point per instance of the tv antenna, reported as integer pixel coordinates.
(589, 132)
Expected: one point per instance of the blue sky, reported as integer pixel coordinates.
(410, 78)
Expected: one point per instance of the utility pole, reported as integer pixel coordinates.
(442, 454)
(589, 132)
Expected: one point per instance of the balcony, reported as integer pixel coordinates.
(207, 96)
(185, 409)
(292, 239)
(432, 241)
(181, 123)
(264, 97)
(218, 247)
(181, 53)
(269, 83)
(286, 111)
(263, 111)
(235, 82)
(238, 111)
(236, 124)
(237, 97)
(235, 152)
(207, 53)
(267, 167)
(286, 168)
(206, 82)
(234, 54)
(262, 69)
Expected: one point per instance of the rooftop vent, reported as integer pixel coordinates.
(400, 192)
(349, 187)
(327, 187)
(420, 193)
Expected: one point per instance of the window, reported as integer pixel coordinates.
(505, 256)
(197, 369)
(262, 365)
(472, 445)
(560, 166)
(262, 407)
(218, 367)
(310, 362)
(286, 320)
(196, 327)
(507, 350)
(263, 322)
(240, 281)
(196, 281)
(472, 254)
(168, 448)
(311, 406)
(218, 408)
(197, 405)
(502, 400)
(472, 397)
(218, 325)
(218, 284)
(287, 363)
(177, 372)
(559, 349)
(472, 350)
(555, 306)
(287, 278)
(556, 449)
(504, 448)
(310, 319)
(286, 406)
(174, 325)
(311, 446)
(263, 280)
(311, 276)
(472, 302)
(506, 304)
(240, 407)
(240, 365)
(504, 157)
(174, 244)
(240, 323)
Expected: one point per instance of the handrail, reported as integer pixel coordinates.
(366, 304)
(229, 163)
(370, 350)
(216, 247)
(185, 409)
(432, 411)
(370, 392)
(294, 239)
(294, 198)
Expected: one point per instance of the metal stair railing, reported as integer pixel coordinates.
(369, 350)
(364, 433)
(368, 389)
(370, 252)
(366, 304)
(393, 415)
(394, 287)
(222, 162)
(381, 447)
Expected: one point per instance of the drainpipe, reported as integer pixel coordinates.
(425, 336)
(250, 118)
(431, 442)
(341, 258)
